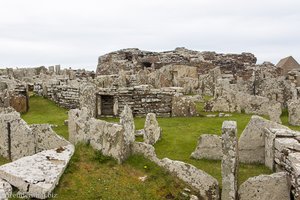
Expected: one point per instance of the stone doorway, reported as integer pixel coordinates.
(107, 105)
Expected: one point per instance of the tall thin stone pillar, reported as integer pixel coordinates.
(229, 161)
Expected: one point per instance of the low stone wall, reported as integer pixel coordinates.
(206, 186)
(110, 138)
(66, 96)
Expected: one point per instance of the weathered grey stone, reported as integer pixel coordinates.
(274, 111)
(193, 197)
(5, 190)
(46, 138)
(269, 148)
(57, 69)
(16, 137)
(294, 112)
(111, 139)
(281, 143)
(127, 121)
(147, 150)
(152, 130)
(78, 125)
(206, 186)
(183, 106)
(37, 175)
(252, 140)
(140, 132)
(230, 160)
(87, 98)
(275, 186)
(208, 147)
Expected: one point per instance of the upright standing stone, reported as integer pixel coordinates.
(152, 129)
(229, 161)
(51, 69)
(127, 121)
(294, 112)
(57, 69)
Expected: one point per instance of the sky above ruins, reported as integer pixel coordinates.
(74, 33)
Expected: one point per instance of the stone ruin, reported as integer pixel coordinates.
(158, 85)
(39, 156)
(262, 141)
(166, 102)
(160, 82)
(13, 93)
(118, 140)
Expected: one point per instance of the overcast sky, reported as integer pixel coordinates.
(74, 33)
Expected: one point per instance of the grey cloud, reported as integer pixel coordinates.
(74, 33)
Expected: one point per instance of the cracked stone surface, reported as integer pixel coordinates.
(206, 185)
(269, 187)
(5, 190)
(252, 140)
(294, 112)
(230, 161)
(37, 175)
(208, 147)
(127, 121)
(152, 130)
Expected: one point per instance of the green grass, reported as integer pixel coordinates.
(91, 175)
(3, 160)
(88, 177)
(180, 136)
(44, 111)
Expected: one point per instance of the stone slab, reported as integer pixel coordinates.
(37, 175)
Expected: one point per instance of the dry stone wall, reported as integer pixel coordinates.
(283, 154)
(65, 95)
